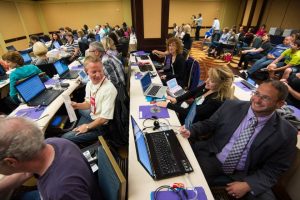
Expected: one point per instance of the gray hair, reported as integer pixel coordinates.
(20, 138)
(98, 46)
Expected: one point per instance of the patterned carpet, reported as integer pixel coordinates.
(198, 52)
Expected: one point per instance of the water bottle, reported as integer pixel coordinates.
(56, 82)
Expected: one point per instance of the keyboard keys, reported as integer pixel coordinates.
(164, 155)
(154, 90)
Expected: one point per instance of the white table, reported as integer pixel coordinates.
(51, 110)
(140, 184)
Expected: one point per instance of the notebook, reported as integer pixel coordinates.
(34, 93)
(151, 89)
(175, 90)
(189, 119)
(64, 71)
(249, 83)
(26, 57)
(160, 153)
(3, 75)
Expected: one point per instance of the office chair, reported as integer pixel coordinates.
(48, 68)
(111, 180)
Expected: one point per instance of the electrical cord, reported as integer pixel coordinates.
(157, 123)
(177, 192)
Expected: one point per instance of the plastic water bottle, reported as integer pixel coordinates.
(56, 82)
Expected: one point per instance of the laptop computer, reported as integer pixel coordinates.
(175, 90)
(3, 75)
(26, 57)
(144, 67)
(249, 83)
(34, 93)
(160, 153)
(151, 89)
(64, 71)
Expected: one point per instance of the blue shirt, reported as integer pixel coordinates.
(243, 125)
(276, 52)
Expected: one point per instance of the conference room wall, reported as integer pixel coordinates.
(75, 14)
(18, 19)
(282, 14)
(229, 12)
(22, 18)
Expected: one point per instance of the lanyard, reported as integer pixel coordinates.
(94, 94)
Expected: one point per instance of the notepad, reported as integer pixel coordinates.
(170, 195)
(150, 111)
(32, 113)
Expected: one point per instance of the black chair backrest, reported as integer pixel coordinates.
(49, 69)
(83, 46)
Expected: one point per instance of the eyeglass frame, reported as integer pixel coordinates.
(264, 98)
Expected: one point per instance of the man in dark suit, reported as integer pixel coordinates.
(249, 143)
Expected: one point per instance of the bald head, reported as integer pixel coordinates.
(20, 138)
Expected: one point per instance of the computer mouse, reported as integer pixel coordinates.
(64, 85)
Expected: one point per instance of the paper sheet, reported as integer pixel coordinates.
(70, 109)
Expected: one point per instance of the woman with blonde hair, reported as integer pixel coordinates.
(40, 50)
(109, 46)
(208, 97)
(187, 41)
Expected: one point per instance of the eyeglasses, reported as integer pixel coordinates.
(92, 51)
(262, 97)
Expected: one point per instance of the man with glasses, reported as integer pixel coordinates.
(112, 66)
(249, 146)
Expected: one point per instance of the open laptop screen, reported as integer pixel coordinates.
(141, 148)
(172, 83)
(30, 88)
(26, 57)
(60, 67)
(146, 81)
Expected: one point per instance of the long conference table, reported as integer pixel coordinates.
(140, 183)
(51, 109)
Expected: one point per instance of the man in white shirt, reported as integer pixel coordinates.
(98, 107)
(216, 24)
(198, 26)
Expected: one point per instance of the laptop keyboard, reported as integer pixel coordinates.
(164, 154)
(153, 91)
(179, 93)
(71, 75)
(47, 97)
